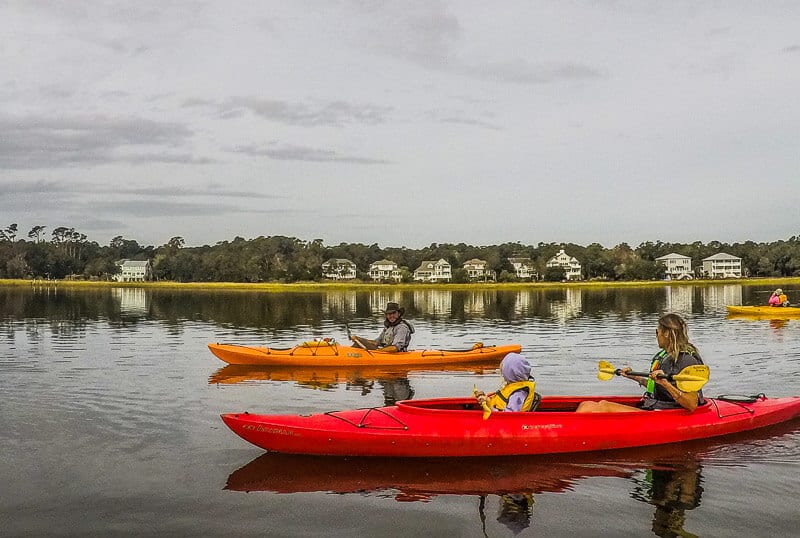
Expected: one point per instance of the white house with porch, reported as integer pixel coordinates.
(523, 268)
(678, 266)
(134, 271)
(722, 265)
(433, 271)
(477, 270)
(572, 267)
(384, 270)
(339, 269)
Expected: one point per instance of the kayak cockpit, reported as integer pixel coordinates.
(547, 404)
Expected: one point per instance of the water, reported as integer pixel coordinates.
(111, 401)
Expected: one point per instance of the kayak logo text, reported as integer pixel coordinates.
(259, 428)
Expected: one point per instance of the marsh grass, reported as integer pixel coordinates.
(367, 286)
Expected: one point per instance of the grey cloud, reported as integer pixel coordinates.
(82, 189)
(303, 153)
(331, 113)
(460, 120)
(525, 73)
(43, 142)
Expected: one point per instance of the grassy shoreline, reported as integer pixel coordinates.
(367, 286)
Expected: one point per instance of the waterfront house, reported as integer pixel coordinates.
(384, 270)
(433, 271)
(339, 269)
(572, 267)
(134, 271)
(722, 265)
(678, 267)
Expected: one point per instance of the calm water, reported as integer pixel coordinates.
(111, 401)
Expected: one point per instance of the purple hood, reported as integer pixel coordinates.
(515, 367)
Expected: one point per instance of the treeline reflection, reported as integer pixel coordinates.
(289, 310)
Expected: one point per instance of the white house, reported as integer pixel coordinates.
(339, 269)
(384, 270)
(679, 267)
(433, 271)
(722, 265)
(523, 267)
(476, 270)
(572, 267)
(134, 271)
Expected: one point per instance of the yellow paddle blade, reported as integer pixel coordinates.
(606, 371)
(692, 378)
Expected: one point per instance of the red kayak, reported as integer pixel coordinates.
(455, 427)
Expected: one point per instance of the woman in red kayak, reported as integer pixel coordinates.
(676, 353)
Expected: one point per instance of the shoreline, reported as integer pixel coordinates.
(276, 287)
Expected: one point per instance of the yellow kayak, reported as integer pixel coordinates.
(772, 312)
(328, 353)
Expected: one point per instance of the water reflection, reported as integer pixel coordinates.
(393, 381)
(668, 477)
(131, 300)
(312, 309)
(672, 490)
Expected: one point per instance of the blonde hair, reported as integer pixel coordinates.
(674, 327)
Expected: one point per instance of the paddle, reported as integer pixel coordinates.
(355, 342)
(486, 409)
(690, 379)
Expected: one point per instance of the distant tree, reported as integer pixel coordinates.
(17, 267)
(36, 232)
(9, 233)
(554, 274)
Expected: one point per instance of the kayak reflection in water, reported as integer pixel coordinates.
(672, 492)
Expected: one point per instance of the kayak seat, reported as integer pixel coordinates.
(537, 399)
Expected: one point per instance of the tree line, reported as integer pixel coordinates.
(69, 254)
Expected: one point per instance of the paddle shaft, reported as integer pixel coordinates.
(618, 371)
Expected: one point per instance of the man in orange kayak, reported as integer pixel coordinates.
(396, 333)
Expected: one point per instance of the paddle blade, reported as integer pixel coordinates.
(692, 378)
(606, 371)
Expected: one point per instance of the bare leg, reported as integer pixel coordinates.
(604, 406)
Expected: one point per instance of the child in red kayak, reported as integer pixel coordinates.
(517, 393)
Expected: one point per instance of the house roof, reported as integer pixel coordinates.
(134, 263)
(721, 256)
(339, 261)
(673, 255)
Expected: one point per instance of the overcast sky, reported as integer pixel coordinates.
(402, 123)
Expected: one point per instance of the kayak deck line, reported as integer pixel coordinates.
(369, 410)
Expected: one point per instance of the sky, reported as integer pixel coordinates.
(402, 123)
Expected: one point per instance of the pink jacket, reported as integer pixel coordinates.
(774, 300)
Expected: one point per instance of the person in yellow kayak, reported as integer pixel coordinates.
(517, 393)
(675, 354)
(396, 333)
(778, 298)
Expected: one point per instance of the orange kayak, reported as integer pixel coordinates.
(323, 353)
